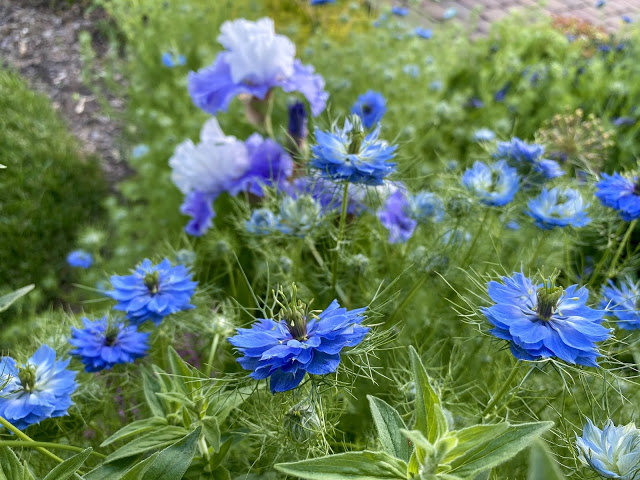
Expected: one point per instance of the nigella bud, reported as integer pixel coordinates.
(185, 257)
(359, 264)
(459, 206)
(302, 422)
(298, 123)
(285, 263)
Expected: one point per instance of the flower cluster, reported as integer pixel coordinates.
(255, 61)
(39, 389)
(298, 343)
(542, 320)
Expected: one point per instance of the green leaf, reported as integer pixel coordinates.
(151, 387)
(70, 466)
(10, 466)
(135, 428)
(471, 437)
(218, 457)
(138, 470)
(154, 440)
(9, 298)
(227, 401)
(181, 373)
(173, 462)
(388, 424)
(430, 419)
(542, 466)
(483, 475)
(352, 465)
(497, 449)
(211, 432)
(111, 471)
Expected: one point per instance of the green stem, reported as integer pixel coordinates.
(267, 119)
(33, 444)
(500, 393)
(406, 299)
(343, 220)
(318, 258)
(603, 259)
(477, 236)
(212, 353)
(26, 438)
(623, 243)
(232, 279)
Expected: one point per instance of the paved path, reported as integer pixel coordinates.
(609, 16)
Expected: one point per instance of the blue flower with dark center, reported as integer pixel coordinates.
(102, 344)
(548, 168)
(425, 33)
(39, 389)
(502, 93)
(624, 121)
(321, 2)
(621, 194)
(262, 222)
(613, 452)
(297, 343)
(558, 208)
(518, 151)
(543, 321)
(370, 107)
(483, 135)
(170, 59)
(400, 11)
(426, 207)
(153, 291)
(494, 185)
(349, 155)
(79, 259)
(623, 302)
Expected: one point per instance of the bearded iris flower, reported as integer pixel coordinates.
(620, 193)
(348, 154)
(370, 107)
(153, 291)
(613, 452)
(102, 344)
(494, 185)
(544, 321)
(39, 389)
(558, 208)
(298, 343)
(623, 302)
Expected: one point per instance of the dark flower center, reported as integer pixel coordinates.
(111, 335)
(366, 109)
(152, 282)
(294, 314)
(27, 376)
(356, 135)
(548, 297)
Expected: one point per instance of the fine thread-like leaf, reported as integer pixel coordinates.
(388, 425)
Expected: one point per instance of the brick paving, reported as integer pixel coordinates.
(609, 16)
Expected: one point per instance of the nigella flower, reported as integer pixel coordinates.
(483, 135)
(39, 389)
(449, 13)
(518, 151)
(321, 2)
(411, 70)
(255, 60)
(153, 291)
(394, 216)
(543, 321)
(262, 222)
(370, 107)
(502, 93)
(400, 11)
(297, 343)
(349, 155)
(170, 59)
(299, 216)
(79, 259)
(139, 150)
(624, 121)
(475, 102)
(494, 185)
(425, 33)
(102, 344)
(622, 302)
(600, 3)
(626, 19)
(613, 452)
(426, 207)
(621, 194)
(558, 208)
(548, 168)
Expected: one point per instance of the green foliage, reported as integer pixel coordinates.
(47, 192)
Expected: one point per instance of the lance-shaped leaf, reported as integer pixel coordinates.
(388, 424)
(430, 419)
(69, 467)
(542, 466)
(154, 440)
(11, 468)
(352, 466)
(136, 428)
(173, 462)
(9, 298)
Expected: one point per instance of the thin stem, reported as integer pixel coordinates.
(33, 444)
(26, 438)
(232, 279)
(603, 259)
(500, 393)
(406, 299)
(267, 119)
(316, 255)
(343, 219)
(477, 235)
(212, 353)
(624, 241)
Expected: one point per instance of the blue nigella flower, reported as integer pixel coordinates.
(436, 85)
(627, 19)
(349, 155)
(483, 135)
(411, 70)
(621, 194)
(613, 452)
(494, 185)
(400, 11)
(475, 102)
(558, 208)
(426, 207)
(262, 222)
(622, 302)
(544, 321)
(102, 344)
(298, 343)
(624, 121)
(425, 33)
(255, 60)
(297, 127)
(395, 217)
(449, 13)
(512, 225)
(299, 216)
(321, 2)
(199, 206)
(548, 168)
(501, 94)
(600, 3)
(153, 291)
(139, 150)
(169, 59)
(79, 259)
(370, 107)
(39, 389)
(518, 151)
